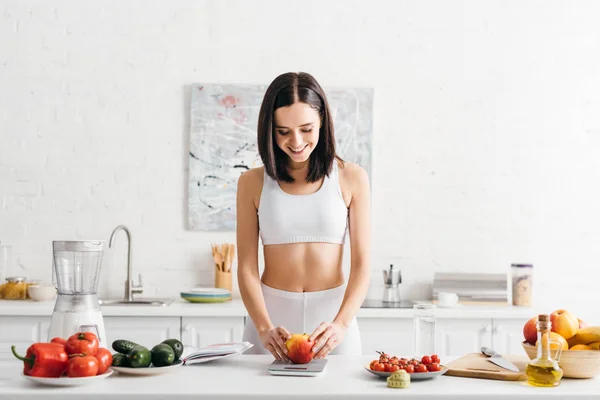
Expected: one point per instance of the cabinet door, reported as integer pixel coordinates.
(21, 332)
(457, 337)
(391, 335)
(508, 336)
(204, 331)
(147, 331)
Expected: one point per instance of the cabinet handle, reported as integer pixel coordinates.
(488, 329)
(188, 328)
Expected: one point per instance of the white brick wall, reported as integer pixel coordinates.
(486, 146)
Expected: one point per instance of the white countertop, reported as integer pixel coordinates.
(246, 377)
(235, 308)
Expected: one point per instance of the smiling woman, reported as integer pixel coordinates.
(302, 203)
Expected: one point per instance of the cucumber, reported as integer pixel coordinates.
(123, 346)
(120, 360)
(162, 355)
(139, 357)
(176, 345)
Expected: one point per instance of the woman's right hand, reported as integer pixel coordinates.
(274, 341)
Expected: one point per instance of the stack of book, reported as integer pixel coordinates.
(473, 288)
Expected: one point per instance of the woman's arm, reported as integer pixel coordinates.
(359, 225)
(248, 193)
(329, 335)
(247, 244)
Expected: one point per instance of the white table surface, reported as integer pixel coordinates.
(246, 377)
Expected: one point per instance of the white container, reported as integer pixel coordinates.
(447, 299)
(42, 292)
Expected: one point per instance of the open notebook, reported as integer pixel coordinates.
(194, 355)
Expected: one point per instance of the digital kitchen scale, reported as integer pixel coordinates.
(313, 368)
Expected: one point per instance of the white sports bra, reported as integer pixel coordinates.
(317, 217)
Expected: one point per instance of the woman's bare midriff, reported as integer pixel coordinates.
(303, 267)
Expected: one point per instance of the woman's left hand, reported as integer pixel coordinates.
(327, 337)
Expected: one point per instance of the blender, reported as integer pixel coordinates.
(75, 274)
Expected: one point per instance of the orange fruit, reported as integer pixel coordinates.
(555, 337)
(581, 347)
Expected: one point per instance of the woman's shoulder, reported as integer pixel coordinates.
(352, 171)
(353, 179)
(252, 178)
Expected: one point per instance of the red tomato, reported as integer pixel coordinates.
(59, 340)
(394, 368)
(82, 343)
(433, 367)
(379, 367)
(426, 360)
(105, 360)
(80, 366)
(384, 360)
(373, 363)
(421, 368)
(410, 369)
(435, 358)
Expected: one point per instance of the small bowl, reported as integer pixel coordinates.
(574, 363)
(42, 292)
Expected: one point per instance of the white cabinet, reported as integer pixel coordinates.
(457, 337)
(204, 331)
(391, 335)
(508, 335)
(147, 331)
(21, 332)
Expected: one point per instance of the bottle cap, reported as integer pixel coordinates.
(543, 317)
(16, 279)
(522, 265)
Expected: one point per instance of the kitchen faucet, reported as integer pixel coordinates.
(130, 288)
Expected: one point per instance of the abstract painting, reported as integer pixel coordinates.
(223, 144)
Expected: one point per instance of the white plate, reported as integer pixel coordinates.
(66, 381)
(415, 376)
(213, 291)
(450, 305)
(151, 370)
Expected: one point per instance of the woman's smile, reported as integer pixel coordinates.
(298, 150)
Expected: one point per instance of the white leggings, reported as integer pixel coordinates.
(303, 312)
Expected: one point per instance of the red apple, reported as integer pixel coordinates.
(299, 348)
(582, 324)
(564, 323)
(530, 331)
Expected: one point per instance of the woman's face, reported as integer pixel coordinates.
(297, 130)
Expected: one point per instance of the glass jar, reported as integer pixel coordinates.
(424, 330)
(522, 284)
(15, 288)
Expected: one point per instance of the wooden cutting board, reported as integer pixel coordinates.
(476, 365)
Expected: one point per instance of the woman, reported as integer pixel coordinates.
(302, 202)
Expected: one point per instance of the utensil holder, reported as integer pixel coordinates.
(222, 279)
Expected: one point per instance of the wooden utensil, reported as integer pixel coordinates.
(231, 254)
(477, 365)
(218, 259)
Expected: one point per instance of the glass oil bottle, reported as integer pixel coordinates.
(544, 370)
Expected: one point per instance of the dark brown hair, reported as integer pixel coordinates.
(284, 91)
